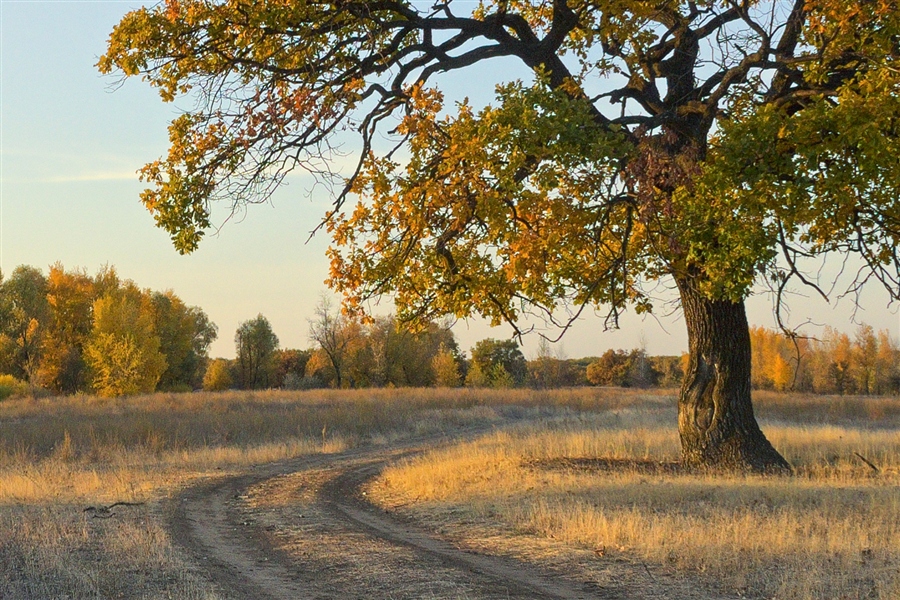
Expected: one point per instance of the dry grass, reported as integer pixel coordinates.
(92, 449)
(59, 455)
(602, 482)
(58, 552)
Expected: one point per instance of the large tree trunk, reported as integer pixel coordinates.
(715, 413)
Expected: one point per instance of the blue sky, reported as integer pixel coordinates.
(70, 146)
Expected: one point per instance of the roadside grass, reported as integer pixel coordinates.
(608, 483)
(95, 449)
(56, 551)
(60, 455)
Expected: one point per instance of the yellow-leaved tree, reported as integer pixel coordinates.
(123, 351)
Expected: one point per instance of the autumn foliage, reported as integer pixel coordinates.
(834, 363)
(70, 332)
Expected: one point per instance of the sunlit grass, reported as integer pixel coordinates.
(608, 482)
(60, 455)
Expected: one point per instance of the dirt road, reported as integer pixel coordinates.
(303, 529)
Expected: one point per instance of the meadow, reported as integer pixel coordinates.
(60, 456)
(608, 483)
(589, 468)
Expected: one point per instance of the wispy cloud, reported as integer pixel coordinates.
(100, 176)
(74, 178)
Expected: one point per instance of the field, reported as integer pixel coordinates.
(587, 471)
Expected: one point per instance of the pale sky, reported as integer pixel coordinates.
(69, 149)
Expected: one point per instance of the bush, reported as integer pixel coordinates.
(10, 386)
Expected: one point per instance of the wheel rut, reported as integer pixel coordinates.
(304, 529)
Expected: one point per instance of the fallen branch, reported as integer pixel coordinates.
(867, 461)
(105, 512)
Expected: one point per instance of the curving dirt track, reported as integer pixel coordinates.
(303, 529)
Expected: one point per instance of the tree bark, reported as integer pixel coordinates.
(715, 414)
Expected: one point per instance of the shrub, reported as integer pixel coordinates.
(10, 386)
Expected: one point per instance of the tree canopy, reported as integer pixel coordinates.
(500, 359)
(715, 142)
(689, 138)
(123, 351)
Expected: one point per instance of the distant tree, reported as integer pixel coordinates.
(106, 281)
(887, 378)
(642, 373)
(612, 368)
(185, 335)
(578, 369)
(840, 350)
(359, 366)
(865, 359)
(489, 353)
(773, 358)
(71, 296)
(25, 312)
(7, 345)
(548, 370)
(476, 377)
(445, 367)
(205, 333)
(623, 368)
(255, 344)
(319, 371)
(11, 387)
(218, 376)
(405, 358)
(500, 378)
(122, 353)
(333, 333)
(670, 369)
(290, 367)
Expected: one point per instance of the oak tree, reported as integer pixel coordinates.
(710, 143)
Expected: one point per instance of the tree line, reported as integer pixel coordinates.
(868, 362)
(347, 353)
(68, 332)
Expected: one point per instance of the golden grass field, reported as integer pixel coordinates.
(829, 532)
(59, 456)
(608, 482)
